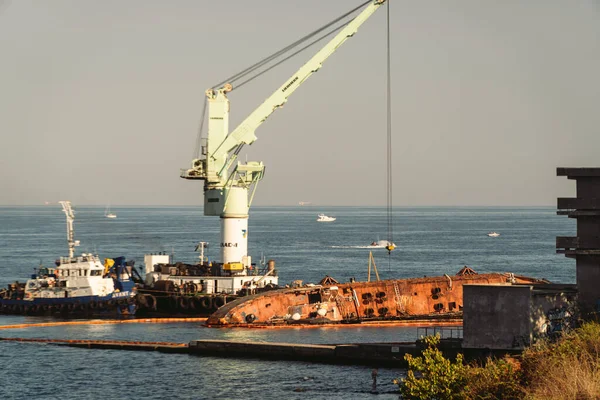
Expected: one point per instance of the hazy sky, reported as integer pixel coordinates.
(100, 101)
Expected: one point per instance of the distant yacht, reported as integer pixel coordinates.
(325, 218)
(304, 203)
(493, 234)
(109, 214)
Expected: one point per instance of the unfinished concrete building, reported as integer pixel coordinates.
(585, 247)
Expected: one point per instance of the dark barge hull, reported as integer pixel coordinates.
(145, 305)
(69, 308)
(166, 304)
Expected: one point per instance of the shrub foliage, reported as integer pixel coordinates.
(568, 368)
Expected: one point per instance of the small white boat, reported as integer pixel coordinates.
(493, 234)
(325, 218)
(381, 244)
(109, 214)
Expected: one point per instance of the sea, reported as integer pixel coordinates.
(430, 241)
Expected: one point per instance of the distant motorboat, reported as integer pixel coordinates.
(109, 214)
(493, 234)
(381, 244)
(325, 218)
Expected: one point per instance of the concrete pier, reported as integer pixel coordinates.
(389, 354)
(372, 354)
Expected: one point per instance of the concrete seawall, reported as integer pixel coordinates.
(376, 354)
(391, 354)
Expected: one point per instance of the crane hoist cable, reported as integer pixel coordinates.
(294, 53)
(204, 107)
(390, 246)
(298, 42)
(272, 57)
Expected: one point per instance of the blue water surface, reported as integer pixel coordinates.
(431, 241)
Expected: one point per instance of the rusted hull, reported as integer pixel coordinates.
(428, 297)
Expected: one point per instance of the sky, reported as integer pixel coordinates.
(100, 101)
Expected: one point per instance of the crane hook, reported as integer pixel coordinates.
(390, 247)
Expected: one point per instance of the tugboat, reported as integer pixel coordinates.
(78, 286)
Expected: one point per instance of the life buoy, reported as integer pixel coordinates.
(206, 302)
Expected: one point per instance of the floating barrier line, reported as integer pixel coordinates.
(104, 322)
(381, 324)
(100, 342)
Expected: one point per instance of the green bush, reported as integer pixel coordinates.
(565, 369)
(432, 376)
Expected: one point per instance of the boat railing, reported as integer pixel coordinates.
(444, 332)
(81, 258)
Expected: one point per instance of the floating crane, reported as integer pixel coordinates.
(228, 188)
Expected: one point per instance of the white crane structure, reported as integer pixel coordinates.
(228, 188)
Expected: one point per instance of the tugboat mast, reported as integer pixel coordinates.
(66, 205)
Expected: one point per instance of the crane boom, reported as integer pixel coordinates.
(244, 133)
(228, 192)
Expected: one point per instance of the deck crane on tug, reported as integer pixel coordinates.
(228, 188)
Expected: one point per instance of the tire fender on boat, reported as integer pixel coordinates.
(150, 301)
(219, 301)
(206, 302)
(192, 303)
(184, 302)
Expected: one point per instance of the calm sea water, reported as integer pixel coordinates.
(431, 241)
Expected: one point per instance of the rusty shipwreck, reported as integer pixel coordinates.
(331, 302)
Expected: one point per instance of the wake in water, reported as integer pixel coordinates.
(380, 244)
